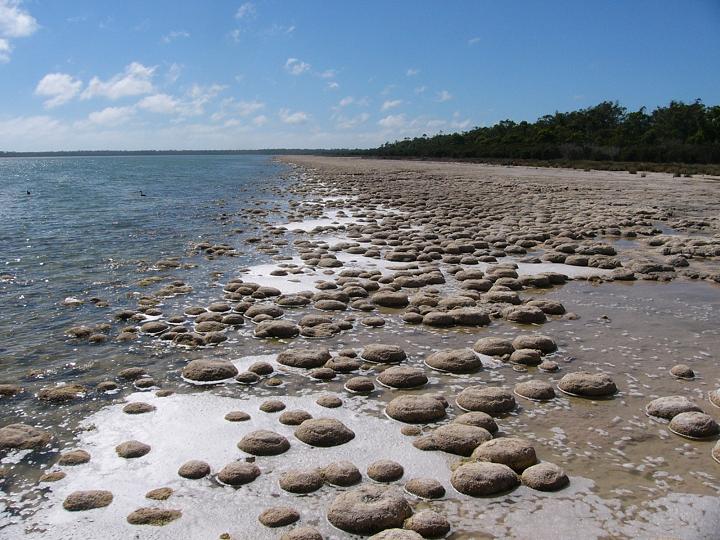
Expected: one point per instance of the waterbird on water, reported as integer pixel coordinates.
(141, 193)
(28, 192)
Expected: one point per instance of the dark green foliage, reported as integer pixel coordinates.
(678, 133)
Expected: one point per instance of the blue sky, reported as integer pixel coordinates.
(157, 74)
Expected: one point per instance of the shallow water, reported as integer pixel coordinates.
(630, 477)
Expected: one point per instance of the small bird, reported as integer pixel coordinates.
(28, 192)
(141, 193)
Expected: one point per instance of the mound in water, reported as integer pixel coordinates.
(369, 509)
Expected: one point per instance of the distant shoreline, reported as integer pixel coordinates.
(631, 166)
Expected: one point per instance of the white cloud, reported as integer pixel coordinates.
(333, 85)
(245, 10)
(411, 72)
(134, 81)
(328, 74)
(5, 50)
(111, 116)
(296, 67)
(173, 73)
(473, 41)
(420, 89)
(235, 35)
(293, 118)
(175, 34)
(159, 103)
(350, 123)
(246, 108)
(260, 120)
(58, 87)
(391, 104)
(393, 121)
(30, 127)
(15, 22)
(444, 96)
(344, 102)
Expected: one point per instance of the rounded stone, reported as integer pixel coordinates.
(264, 443)
(413, 409)
(516, 453)
(138, 407)
(425, 488)
(302, 533)
(493, 346)
(525, 315)
(428, 524)
(545, 477)
(247, 377)
(238, 473)
(304, 358)
(74, 457)
(329, 402)
(369, 509)
(324, 432)
(279, 329)
(481, 479)
(279, 516)
(62, 393)
(454, 361)
(87, 500)
(390, 299)
(272, 406)
(294, 418)
(194, 469)
(301, 481)
(52, 476)
(396, 534)
(360, 385)
(694, 425)
(402, 377)
(539, 342)
(383, 354)
(209, 370)
(132, 449)
(527, 357)
(261, 368)
(323, 374)
(385, 470)
(589, 385)
(159, 494)
(341, 473)
(454, 438)
(487, 399)
(682, 371)
(153, 516)
(478, 419)
(23, 437)
(548, 365)
(343, 364)
(237, 416)
(535, 389)
(670, 406)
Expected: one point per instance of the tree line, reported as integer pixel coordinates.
(677, 133)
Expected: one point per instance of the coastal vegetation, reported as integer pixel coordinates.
(680, 137)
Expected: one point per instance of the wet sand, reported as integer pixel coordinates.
(632, 310)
